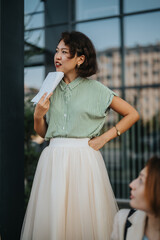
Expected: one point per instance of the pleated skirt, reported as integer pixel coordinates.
(71, 196)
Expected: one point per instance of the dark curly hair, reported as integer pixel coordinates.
(80, 44)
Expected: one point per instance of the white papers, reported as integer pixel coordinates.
(49, 84)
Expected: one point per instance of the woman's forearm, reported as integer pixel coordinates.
(42, 107)
(123, 125)
(40, 126)
(130, 116)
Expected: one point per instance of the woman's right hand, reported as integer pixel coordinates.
(42, 106)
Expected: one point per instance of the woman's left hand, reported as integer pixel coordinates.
(97, 142)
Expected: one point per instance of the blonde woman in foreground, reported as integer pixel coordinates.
(143, 223)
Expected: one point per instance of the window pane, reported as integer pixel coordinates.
(142, 49)
(104, 34)
(92, 9)
(139, 5)
(31, 6)
(33, 21)
(145, 139)
(33, 78)
(35, 37)
(142, 29)
(33, 55)
(105, 37)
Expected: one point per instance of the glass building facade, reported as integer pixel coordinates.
(127, 40)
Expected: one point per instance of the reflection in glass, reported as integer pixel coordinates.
(142, 65)
(136, 5)
(142, 29)
(34, 21)
(142, 49)
(104, 34)
(31, 6)
(145, 139)
(33, 78)
(92, 9)
(106, 42)
(142, 58)
(35, 37)
(138, 144)
(34, 56)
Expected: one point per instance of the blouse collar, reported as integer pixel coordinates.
(72, 84)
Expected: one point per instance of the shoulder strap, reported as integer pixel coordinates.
(128, 224)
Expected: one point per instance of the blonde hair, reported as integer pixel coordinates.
(152, 187)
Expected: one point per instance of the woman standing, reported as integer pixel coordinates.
(71, 197)
(144, 223)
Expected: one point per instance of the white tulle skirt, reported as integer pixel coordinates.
(71, 197)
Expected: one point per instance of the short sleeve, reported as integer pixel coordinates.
(106, 97)
(47, 117)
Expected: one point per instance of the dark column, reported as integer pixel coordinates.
(11, 119)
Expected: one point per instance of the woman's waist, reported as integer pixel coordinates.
(70, 142)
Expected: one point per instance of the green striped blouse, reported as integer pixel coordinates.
(78, 109)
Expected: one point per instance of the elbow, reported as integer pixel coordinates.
(136, 116)
(40, 133)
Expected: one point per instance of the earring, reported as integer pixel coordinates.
(78, 65)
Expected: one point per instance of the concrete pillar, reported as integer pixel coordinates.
(11, 119)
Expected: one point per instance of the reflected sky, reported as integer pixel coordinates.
(93, 9)
(34, 76)
(140, 5)
(138, 29)
(33, 6)
(35, 37)
(34, 21)
(142, 29)
(104, 34)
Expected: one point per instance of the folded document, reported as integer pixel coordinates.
(49, 84)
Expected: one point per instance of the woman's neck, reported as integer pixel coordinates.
(70, 78)
(152, 229)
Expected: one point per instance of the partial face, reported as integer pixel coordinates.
(138, 199)
(62, 60)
